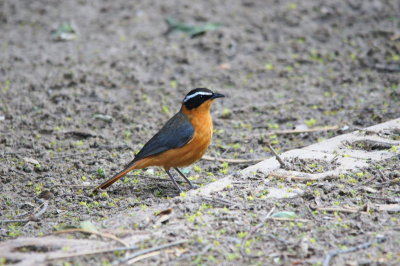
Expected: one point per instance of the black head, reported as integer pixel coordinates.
(198, 96)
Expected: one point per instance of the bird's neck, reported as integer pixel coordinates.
(199, 114)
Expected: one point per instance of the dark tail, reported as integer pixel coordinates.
(111, 181)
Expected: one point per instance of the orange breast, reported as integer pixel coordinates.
(191, 152)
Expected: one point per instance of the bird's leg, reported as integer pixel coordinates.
(192, 186)
(173, 181)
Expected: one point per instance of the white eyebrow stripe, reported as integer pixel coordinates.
(187, 98)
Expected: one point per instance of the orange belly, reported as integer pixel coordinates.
(190, 152)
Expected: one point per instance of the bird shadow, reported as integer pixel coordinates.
(149, 189)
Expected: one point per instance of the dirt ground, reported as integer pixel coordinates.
(73, 112)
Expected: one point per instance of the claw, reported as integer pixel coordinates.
(192, 186)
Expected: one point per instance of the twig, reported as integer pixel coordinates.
(368, 181)
(105, 235)
(383, 176)
(145, 256)
(385, 67)
(301, 178)
(33, 217)
(93, 252)
(310, 212)
(395, 37)
(276, 155)
(11, 152)
(37, 215)
(253, 231)
(74, 186)
(18, 172)
(367, 189)
(277, 132)
(148, 250)
(14, 221)
(168, 180)
(114, 147)
(337, 209)
(71, 155)
(220, 201)
(204, 250)
(387, 199)
(196, 254)
(389, 183)
(227, 160)
(80, 133)
(299, 131)
(22, 214)
(333, 253)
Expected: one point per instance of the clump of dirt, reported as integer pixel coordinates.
(393, 134)
(74, 110)
(311, 166)
(369, 145)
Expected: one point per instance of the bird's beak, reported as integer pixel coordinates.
(217, 95)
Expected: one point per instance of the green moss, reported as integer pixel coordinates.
(224, 168)
(101, 172)
(79, 143)
(197, 168)
(310, 122)
(192, 217)
(232, 256)
(127, 134)
(38, 188)
(242, 234)
(269, 67)
(104, 194)
(292, 6)
(226, 113)
(165, 110)
(6, 86)
(173, 84)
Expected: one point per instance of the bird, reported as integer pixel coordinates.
(182, 140)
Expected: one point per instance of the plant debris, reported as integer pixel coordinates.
(191, 30)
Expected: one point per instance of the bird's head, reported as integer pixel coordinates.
(197, 97)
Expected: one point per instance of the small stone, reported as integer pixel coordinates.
(31, 161)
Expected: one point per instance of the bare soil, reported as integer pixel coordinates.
(74, 112)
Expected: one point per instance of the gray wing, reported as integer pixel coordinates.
(174, 134)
